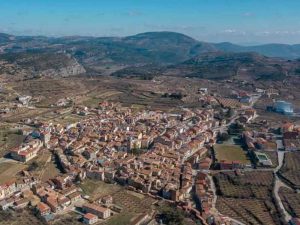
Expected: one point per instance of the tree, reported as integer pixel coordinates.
(224, 136)
(33, 166)
(230, 112)
(172, 216)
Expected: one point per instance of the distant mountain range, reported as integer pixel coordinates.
(225, 65)
(154, 52)
(270, 50)
(167, 42)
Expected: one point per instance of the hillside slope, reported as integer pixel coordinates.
(222, 65)
(36, 64)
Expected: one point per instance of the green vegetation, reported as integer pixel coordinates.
(171, 216)
(9, 139)
(236, 128)
(33, 166)
(224, 137)
(230, 153)
(173, 95)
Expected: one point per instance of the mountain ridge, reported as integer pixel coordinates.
(167, 37)
(142, 54)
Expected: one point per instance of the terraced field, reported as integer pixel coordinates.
(247, 211)
(248, 185)
(290, 171)
(247, 196)
(291, 201)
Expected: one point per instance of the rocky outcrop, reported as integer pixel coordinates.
(40, 64)
(74, 68)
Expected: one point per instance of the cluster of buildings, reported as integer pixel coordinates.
(244, 97)
(47, 198)
(147, 151)
(204, 194)
(247, 116)
(291, 137)
(258, 143)
(16, 193)
(31, 146)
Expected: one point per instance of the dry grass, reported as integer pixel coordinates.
(131, 202)
(9, 170)
(97, 189)
(47, 168)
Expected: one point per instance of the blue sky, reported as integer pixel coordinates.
(239, 21)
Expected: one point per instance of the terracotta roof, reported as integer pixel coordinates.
(42, 207)
(89, 216)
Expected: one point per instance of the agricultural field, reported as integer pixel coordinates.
(231, 153)
(290, 171)
(290, 200)
(248, 211)
(9, 170)
(244, 185)
(247, 196)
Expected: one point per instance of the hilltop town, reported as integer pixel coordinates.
(103, 162)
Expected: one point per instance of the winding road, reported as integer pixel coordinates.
(278, 184)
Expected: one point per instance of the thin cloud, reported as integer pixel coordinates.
(229, 31)
(248, 14)
(133, 13)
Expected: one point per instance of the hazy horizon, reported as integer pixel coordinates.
(240, 22)
(119, 36)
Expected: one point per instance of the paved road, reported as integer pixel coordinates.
(278, 185)
(214, 190)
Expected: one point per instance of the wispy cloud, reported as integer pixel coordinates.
(229, 31)
(182, 28)
(133, 13)
(278, 33)
(248, 14)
